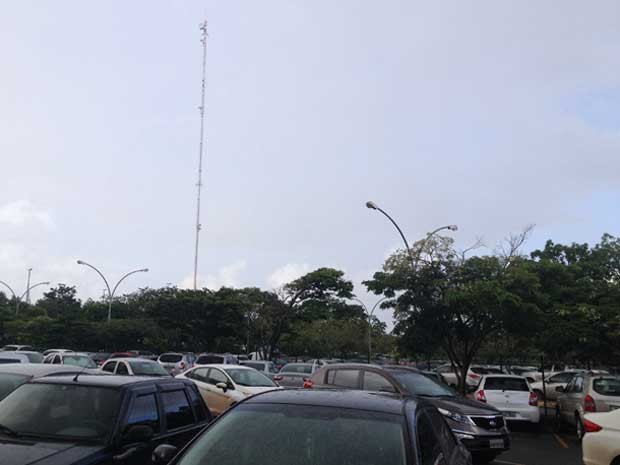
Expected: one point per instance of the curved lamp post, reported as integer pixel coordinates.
(369, 315)
(111, 292)
(19, 299)
(451, 227)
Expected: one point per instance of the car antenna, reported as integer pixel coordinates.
(77, 375)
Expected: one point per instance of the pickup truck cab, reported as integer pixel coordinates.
(93, 419)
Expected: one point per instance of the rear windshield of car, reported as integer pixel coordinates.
(79, 361)
(170, 358)
(607, 386)
(209, 359)
(296, 368)
(9, 381)
(60, 411)
(505, 384)
(148, 369)
(295, 434)
(421, 385)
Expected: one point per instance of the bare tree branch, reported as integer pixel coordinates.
(510, 248)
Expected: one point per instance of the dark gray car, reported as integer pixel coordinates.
(481, 428)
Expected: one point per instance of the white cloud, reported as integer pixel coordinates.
(22, 212)
(227, 276)
(287, 273)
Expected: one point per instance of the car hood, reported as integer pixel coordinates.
(462, 406)
(26, 452)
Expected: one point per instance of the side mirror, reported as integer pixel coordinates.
(222, 386)
(560, 389)
(137, 433)
(163, 454)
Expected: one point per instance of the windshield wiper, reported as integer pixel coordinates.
(8, 431)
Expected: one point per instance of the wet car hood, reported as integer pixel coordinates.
(31, 451)
(462, 405)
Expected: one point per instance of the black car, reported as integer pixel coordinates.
(322, 427)
(481, 428)
(96, 419)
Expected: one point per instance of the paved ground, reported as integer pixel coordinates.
(540, 446)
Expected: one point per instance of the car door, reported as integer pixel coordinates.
(561, 379)
(568, 400)
(218, 400)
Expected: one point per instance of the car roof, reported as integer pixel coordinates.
(107, 380)
(301, 363)
(223, 366)
(358, 400)
(36, 369)
(130, 359)
(498, 375)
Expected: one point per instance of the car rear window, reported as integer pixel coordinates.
(296, 368)
(177, 409)
(607, 386)
(505, 384)
(210, 359)
(170, 358)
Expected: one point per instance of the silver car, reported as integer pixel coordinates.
(584, 394)
(176, 362)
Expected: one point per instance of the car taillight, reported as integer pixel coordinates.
(533, 399)
(480, 397)
(588, 404)
(473, 376)
(277, 378)
(182, 365)
(591, 427)
(308, 383)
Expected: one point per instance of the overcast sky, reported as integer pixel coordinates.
(491, 115)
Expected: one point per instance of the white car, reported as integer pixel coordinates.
(222, 386)
(512, 395)
(551, 383)
(473, 375)
(601, 443)
(133, 367)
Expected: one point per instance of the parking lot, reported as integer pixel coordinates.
(541, 446)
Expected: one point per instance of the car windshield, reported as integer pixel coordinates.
(296, 368)
(301, 435)
(79, 361)
(505, 384)
(418, 384)
(148, 369)
(60, 411)
(607, 386)
(249, 377)
(34, 357)
(170, 358)
(9, 382)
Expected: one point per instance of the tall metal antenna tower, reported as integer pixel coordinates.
(203, 39)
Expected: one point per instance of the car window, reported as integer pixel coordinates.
(170, 358)
(9, 381)
(199, 374)
(376, 382)
(34, 357)
(197, 403)
(607, 386)
(578, 386)
(429, 445)
(144, 411)
(216, 376)
(121, 369)
(177, 410)
(297, 368)
(57, 360)
(346, 378)
(147, 368)
(493, 383)
(109, 367)
(561, 378)
(79, 361)
(209, 359)
(244, 377)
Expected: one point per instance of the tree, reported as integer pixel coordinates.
(61, 302)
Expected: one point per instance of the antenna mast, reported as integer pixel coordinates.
(201, 108)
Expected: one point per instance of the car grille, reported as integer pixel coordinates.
(495, 422)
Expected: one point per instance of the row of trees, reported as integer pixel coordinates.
(562, 301)
(312, 316)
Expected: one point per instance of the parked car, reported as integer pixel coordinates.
(53, 351)
(449, 375)
(13, 357)
(134, 367)
(14, 375)
(264, 366)
(147, 354)
(70, 358)
(586, 393)
(324, 427)
(97, 420)
(481, 428)
(217, 359)
(99, 357)
(601, 443)
(295, 374)
(549, 392)
(222, 386)
(15, 347)
(434, 376)
(512, 395)
(176, 362)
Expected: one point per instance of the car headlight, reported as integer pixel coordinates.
(455, 416)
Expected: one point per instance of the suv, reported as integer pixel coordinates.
(481, 428)
(176, 362)
(217, 359)
(92, 420)
(584, 394)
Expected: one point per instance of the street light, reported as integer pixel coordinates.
(369, 321)
(27, 291)
(450, 227)
(111, 292)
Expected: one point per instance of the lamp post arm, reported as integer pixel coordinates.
(123, 278)
(9, 288)
(402, 235)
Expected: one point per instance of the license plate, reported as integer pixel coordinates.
(496, 443)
